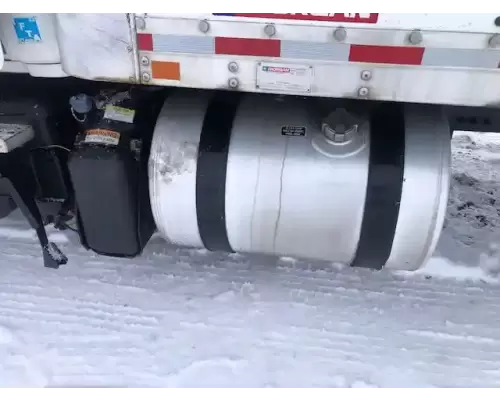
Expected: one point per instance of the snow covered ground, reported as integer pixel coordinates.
(190, 318)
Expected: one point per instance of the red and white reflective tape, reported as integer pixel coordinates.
(301, 50)
(367, 18)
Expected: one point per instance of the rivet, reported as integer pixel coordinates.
(415, 37)
(140, 23)
(270, 30)
(233, 83)
(146, 77)
(340, 34)
(366, 75)
(204, 26)
(233, 67)
(144, 61)
(363, 92)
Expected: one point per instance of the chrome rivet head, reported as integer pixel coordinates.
(415, 37)
(145, 77)
(144, 61)
(363, 92)
(366, 75)
(140, 23)
(270, 30)
(233, 83)
(340, 34)
(233, 67)
(204, 26)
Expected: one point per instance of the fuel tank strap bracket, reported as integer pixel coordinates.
(384, 188)
(212, 169)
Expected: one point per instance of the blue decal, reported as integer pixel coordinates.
(27, 30)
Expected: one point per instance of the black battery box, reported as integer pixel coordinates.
(108, 169)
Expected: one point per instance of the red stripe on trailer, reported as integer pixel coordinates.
(386, 54)
(367, 18)
(145, 41)
(248, 47)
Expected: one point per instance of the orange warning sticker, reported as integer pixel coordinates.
(102, 136)
(166, 70)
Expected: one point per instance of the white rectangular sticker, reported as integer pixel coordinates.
(102, 136)
(120, 114)
(284, 78)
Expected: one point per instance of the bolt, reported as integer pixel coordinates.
(144, 61)
(270, 30)
(366, 75)
(146, 77)
(233, 83)
(140, 23)
(363, 92)
(340, 34)
(204, 26)
(130, 48)
(494, 41)
(233, 67)
(415, 37)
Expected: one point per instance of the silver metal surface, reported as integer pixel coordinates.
(285, 195)
(172, 167)
(457, 68)
(425, 187)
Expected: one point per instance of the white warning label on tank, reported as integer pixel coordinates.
(102, 136)
(284, 78)
(120, 114)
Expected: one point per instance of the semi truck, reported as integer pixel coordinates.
(320, 136)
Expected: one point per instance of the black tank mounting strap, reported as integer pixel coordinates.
(385, 186)
(211, 171)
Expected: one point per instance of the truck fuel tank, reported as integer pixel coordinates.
(261, 174)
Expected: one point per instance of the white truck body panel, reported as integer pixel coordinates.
(88, 46)
(424, 58)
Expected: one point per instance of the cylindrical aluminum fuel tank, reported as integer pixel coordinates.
(283, 176)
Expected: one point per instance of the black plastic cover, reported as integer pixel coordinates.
(114, 209)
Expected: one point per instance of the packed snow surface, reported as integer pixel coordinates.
(184, 318)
